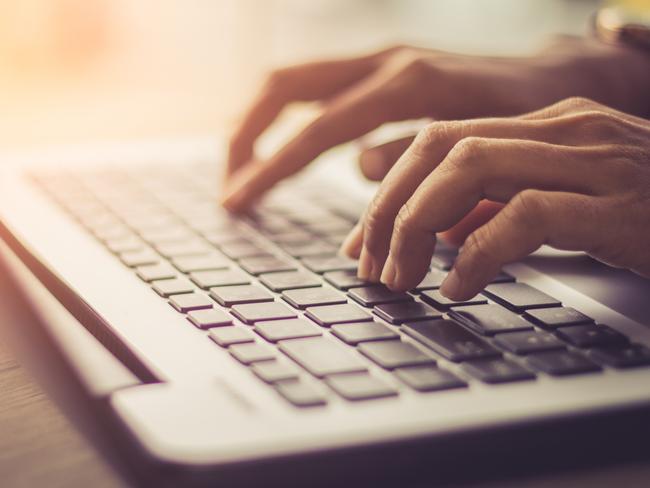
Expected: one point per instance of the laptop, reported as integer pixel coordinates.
(249, 352)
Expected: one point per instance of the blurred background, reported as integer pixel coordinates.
(86, 70)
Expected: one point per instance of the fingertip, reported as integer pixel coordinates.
(373, 164)
(351, 246)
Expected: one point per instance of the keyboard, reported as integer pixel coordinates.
(270, 288)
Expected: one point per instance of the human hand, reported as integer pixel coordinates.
(575, 175)
(360, 94)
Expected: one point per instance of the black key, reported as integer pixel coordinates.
(438, 300)
(394, 354)
(489, 319)
(274, 371)
(591, 335)
(344, 280)
(323, 264)
(429, 378)
(152, 272)
(183, 248)
(139, 258)
(398, 313)
(204, 262)
(255, 312)
(360, 386)
(519, 296)
(561, 363)
(310, 297)
(322, 357)
(190, 301)
(528, 341)
(376, 295)
(300, 394)
(238, 294)
(556, 317)
(289, 280)
(265, 264)
(206, 319)
(239, 250)
(497, 370)
(175, 286)
(226, 336)
(363, 332)
(503, 277)
(624, 356)
(309, 248)
(279, 330)
(444, 256)
(251, 353)
(450, 340)
(337, 314)
(433, 279)
(223, 277)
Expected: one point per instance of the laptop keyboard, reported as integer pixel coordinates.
(271, 289)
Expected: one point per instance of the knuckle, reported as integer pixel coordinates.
(600, 124)
(528, 208)
(476, 246)
(580, 103)
(437, 134)
(466, 152)
(406, 221)
(375, 220)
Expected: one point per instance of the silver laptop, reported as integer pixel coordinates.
(258, 356)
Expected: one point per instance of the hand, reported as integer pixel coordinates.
(575, 175)
(360, 94)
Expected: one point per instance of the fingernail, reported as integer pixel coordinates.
(365, 264)
(451, 286)
(388, 273)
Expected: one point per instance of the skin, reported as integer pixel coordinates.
(523, 160)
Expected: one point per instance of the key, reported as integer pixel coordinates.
(433, 279)
(497, 370)
(163, 235)
(398, 313)
(226, 336)
(274, 371)
(519, 296)
(344, 280)
(394, 354)
(190, 301)
(300, 394)
(309, 297)
(362, 332)
(239, 250)
(309, 248)
(489, 319)
(265, 264)
(591, 335)
(561, 363)
(502, 277)
(322, 357)
(429, 378)
(528, 341)
(206, 319)
(151, 272)
(450, 340)
(139, 258)
(251, 353)
(236, 295)
(556, 317)
(360, 386)
(337, 314)
(222, 237)
(297, 236)
(183, 248)
(125, 244)
(224, 277)
(289, 280)
(204, 262)
(438, 300)
(623, 356)
(255, 312)
(175, 286)
(375, 295)
(323, 264)
(279, 330)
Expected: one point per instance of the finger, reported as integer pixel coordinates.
(307, 82)
(495, 169)
(429, 148)
(351, 246)
(375, 162)
(478, 216)
(566, 221)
